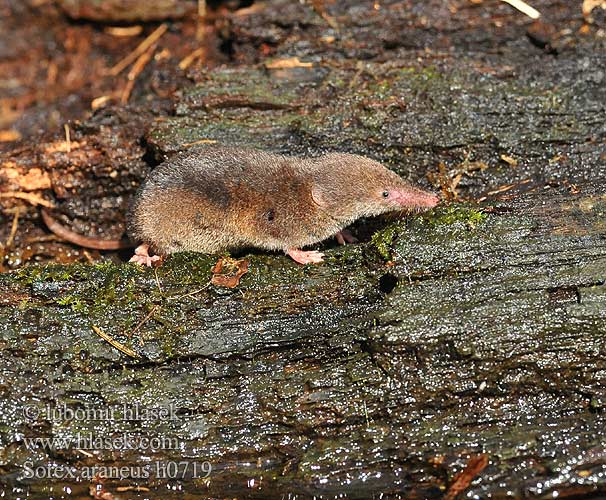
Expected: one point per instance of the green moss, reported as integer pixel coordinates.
(383, 240)
(76, 303)
(455, 213)
(51, 273)
(472, 217)
(27, 275)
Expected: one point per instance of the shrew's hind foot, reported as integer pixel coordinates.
(142, 257)
(305, 257)
(345, 237)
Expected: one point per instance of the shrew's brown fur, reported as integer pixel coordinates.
(215, 198)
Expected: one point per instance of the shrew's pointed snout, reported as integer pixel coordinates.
(416, 198)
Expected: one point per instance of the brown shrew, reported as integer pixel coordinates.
(215, 198)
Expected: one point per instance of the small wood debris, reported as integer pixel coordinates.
(98, 491)
(320, 8)
(114, 343)
(32, 198)
(201, 141)
(140, 50)
(448, 180)
(99, 102)
(18, 178)
(589, 5)
(227, 272)
(508, 159)
(61, 147)
(121, 489)
(124, 30)
(137, 68)
(524, 8)
(9, 135)
(68, 141)
(475, 465)
(290, 62)
(188, 60)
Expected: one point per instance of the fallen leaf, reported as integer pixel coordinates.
(227, 272)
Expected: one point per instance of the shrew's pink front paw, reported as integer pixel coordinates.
(305, 257)
(345, 237)
(142, 256)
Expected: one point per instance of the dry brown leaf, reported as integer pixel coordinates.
(448, 180)
(227, 272)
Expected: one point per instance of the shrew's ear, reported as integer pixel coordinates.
(319, 197)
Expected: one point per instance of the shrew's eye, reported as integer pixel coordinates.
(385, 194)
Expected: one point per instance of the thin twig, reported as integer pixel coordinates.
(201, 20)
(177, 297)
(97, 102)
(9, 240)
(34, 199)
(186, 61)
(122, 31)
(11, 236)
(139, 65)
(67, 138)
(88, 256)
(201, 141)
(144, 320)
(318, 6)
(114, 343)
(141, 48)
(158, 280)
(524, 8)
(202, 8)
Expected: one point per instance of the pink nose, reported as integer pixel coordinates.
(416, 198)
